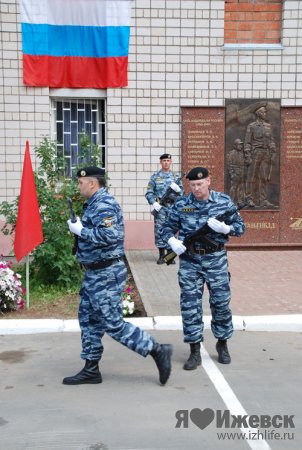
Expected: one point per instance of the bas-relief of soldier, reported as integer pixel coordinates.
(252, 163)
(236, 169)
(260, 151)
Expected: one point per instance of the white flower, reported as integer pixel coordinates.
(10, 288)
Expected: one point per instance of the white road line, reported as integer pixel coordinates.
(231, 401)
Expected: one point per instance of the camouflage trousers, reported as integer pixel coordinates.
(194, 272)
(158, 225)
(100, 311)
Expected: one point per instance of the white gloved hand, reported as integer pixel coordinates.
(176, 245)
(219, 227)
(174, 187)
(156, 206)
(75, 227)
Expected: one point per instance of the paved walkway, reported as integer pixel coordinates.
(264, 283)
(266, 294)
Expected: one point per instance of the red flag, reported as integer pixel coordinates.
(29, 232)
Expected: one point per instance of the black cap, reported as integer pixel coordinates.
(198, 173)
(165, 156)
(90, 171)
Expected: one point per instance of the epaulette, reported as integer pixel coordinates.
(225, 196)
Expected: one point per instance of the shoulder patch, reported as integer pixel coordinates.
(108, 221)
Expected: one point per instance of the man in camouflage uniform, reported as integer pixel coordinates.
(101, 251)
(158, 185)
(203, 263)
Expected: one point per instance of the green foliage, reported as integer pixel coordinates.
(52, 261)
(89, 152)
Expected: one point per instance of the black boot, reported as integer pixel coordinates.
(90, 374)
(194, 358)
(161, 256)
(223, 352)
(161, 354)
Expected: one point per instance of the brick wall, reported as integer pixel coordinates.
(258, 21)
(24, 112)
(177, 58)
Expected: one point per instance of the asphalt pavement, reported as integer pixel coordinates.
(253, 403)
(202, 409)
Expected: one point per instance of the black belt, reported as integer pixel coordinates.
(206, 251)
(101, 264)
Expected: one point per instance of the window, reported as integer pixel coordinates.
(77, 120)
(253, 22)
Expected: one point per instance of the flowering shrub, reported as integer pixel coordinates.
(128, 304)
(11, 290)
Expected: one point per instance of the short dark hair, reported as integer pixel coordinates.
(101, 180)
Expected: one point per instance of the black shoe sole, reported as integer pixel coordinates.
(192, 368)
(74, 383)
(221, 361)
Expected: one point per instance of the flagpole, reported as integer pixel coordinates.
(27, 281)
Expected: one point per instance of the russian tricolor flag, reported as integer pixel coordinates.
(75, 43)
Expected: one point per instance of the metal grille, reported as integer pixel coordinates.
(76, 120)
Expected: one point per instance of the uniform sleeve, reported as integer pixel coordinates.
(151, 191)
(181, 187)
(103, 227)
(235, 221)
(171, 225)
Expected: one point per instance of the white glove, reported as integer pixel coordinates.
(176, 245)
(156, 206)
(75, 227)
(175, 187)
(219, 227)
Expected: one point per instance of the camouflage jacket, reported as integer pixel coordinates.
(188, 215)
(159, 183)
(102, 235)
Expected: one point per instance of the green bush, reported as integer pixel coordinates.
(52, 262)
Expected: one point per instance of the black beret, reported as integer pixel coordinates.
(166, 156)
(90, 171)
(198, 173)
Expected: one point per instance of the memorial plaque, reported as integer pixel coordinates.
(202, 138)
(262, 227)
(291, 176)
(219, 138)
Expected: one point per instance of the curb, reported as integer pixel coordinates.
(276, 323)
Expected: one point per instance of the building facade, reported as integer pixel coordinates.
(182, 54)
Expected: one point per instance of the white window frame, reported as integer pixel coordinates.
(78, 95)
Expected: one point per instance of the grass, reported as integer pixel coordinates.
(58, 303)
